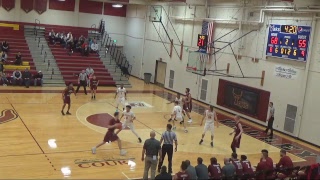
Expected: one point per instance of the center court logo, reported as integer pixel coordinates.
(104, 162)
(8, 115)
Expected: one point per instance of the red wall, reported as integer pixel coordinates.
(91, 7)
(111, 11)
(67, 5)
(263, 102)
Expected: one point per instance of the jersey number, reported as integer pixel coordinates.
(218, 170)
(239, 165)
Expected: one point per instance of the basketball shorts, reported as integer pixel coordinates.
(67, 100)
(127, 125)
(179, 118)
(121, 100)
(93, 87)
(110, 137)
(209, 127)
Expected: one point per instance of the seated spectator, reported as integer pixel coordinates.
(94, 47)
(285, 162)
(82, 39)
(57, 37)
(201, 170)
(191, 170)
(4, 57)
(247, 168)
(228, 170)
(38, 78)
(69, 40)
(62, 39)
(3, 78)
(163, 174)
(78, 47)
(26, 76)
(214, 169)
(52, 36)
(265, 165)
(182, 174)
(237, 164)
(18, 59)
(85, 50)
(5, 46)
(17, 76)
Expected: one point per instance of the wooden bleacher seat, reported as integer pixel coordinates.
(14, 67)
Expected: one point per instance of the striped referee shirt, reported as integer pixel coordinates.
(168, 137)
(83, 76)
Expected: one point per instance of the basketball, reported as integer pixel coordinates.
(119, 126)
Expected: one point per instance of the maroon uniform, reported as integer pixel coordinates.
(236, 143)
(246, 167)
(215, 171)
(110, 135)
(66, 95)
(187, 106)
(93, 84)
(285, 162)
(238, 166)
(262, 166)
(182, 176)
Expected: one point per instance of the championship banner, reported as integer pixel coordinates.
(27, 5)
(8, 4)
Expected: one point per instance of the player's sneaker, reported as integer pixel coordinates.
(185, 130)
(93, 150)
(62, 113)
(174, 128)
(140, 141)
(181, 122)
(190, 121)
(170, 120)
(201, 141)
(211, 144)
(123, 152)
(68, 113)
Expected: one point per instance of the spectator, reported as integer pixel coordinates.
(182, 174)
(85, 49)
(52, 36)
(151, 149)
(82, 81)
(201, 169)
(163, 174)
(247, 168)
(78, 47)
(69, 40)
(5, 46)
(16, 76)
(57, 38)
(4, 56)
(191, 170)
(284, 163)
(38, 78)
(214, 169)
(18, 59)
(228, 170)
(3, 78)
(94, 47)
(81, 39)
(62, 38)
(26, 76)
(237, 164)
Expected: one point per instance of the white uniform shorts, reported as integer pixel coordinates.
(122, 101)
(209, 127)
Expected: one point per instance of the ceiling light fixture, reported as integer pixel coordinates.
(117, 5)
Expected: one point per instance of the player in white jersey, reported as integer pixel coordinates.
(122, 96)
(128, 122)
(180, 103)
(210, 116)
(177, 115)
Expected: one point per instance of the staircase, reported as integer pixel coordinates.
(42, 56)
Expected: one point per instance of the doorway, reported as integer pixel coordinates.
(160, 74)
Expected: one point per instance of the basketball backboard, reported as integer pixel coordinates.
(155, 13)
(197, 62)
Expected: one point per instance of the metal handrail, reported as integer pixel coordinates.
(41, 49)
(45, 56)
(39, 42)
(52, 72)
(48, 65)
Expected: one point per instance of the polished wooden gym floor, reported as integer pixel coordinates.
(36, 141)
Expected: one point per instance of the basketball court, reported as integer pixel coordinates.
(38, 142)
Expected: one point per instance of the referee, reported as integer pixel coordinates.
(167, 148)
(270, 120)
(82, 81)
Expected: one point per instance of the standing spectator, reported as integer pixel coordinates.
(38, 78)
(191, 170)
(284, 163)
(17, 76)
(228, 170)
(151, 149)
(95, 47)
(18, 59)
(214, 169)
(26, 76)
(3, 78)
(5, 46)
(270, 120)
(163, 174)
(247, 168)
(202, 170)
(89, 72)
(167, 148)
(182, 174)
(82, 81)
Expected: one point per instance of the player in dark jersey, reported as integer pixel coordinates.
(66, 97)
(111, 136)
(237, 134)
(214, 169)
(182, 174)
(247, 168)
(93, 86)
(237, 164)
(187, 105)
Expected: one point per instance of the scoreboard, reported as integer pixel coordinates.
(288, 41)
(202, 42)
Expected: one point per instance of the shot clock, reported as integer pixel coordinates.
(202, 41)
(288, 41)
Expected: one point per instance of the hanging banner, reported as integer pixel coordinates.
(27, 5)
(285, 72)
(40, 6)
(8, 4)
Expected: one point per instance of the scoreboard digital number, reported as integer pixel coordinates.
(288, 41)
(202, 41)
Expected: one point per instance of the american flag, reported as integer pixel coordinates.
(207, 29)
